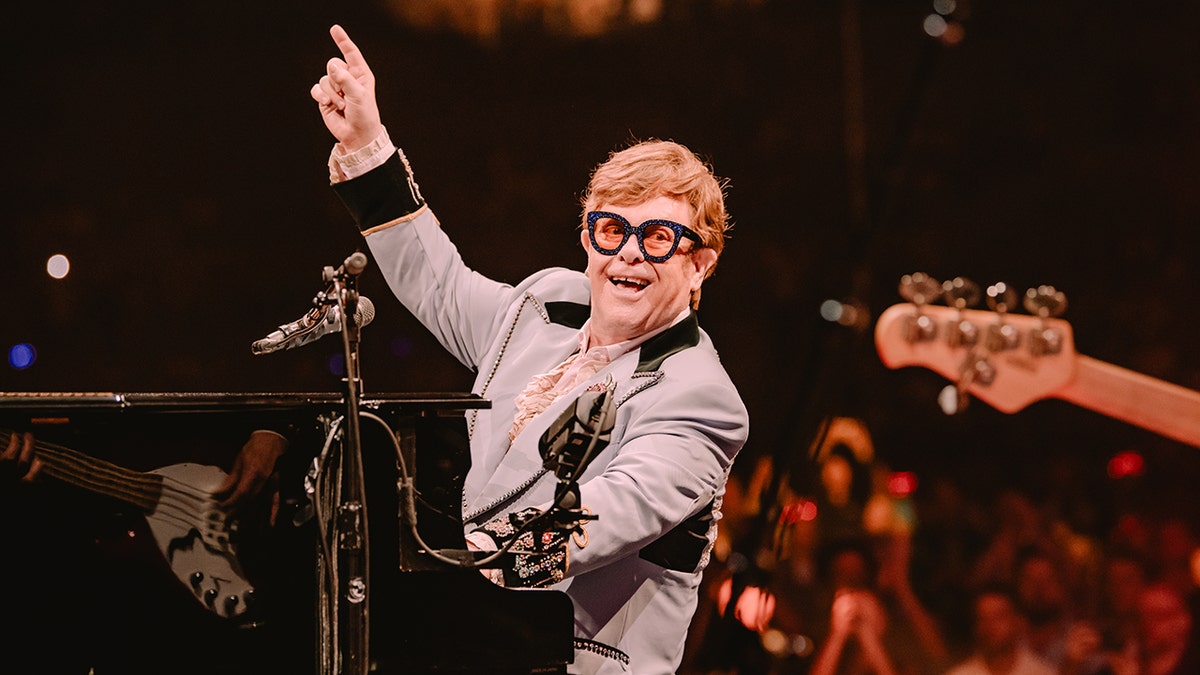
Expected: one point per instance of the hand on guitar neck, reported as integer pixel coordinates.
(18, 457)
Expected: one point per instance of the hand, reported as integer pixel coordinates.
(345, 95)
(18, 459)
(857, 612)
(252, 469)
(872, 618)
(843, 616)
(754, 608)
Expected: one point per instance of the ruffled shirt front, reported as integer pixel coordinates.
(582, 364)
(545, 388)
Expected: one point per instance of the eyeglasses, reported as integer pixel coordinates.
(656, 238)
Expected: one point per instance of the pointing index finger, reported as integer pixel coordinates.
(354, 58)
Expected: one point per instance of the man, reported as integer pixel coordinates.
(653, 229)
(1000, 638)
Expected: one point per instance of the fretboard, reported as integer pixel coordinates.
(133, 487)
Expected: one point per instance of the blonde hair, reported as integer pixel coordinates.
(654, 168)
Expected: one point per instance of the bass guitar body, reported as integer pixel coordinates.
(196, 539)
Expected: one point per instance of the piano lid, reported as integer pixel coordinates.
(186, 402)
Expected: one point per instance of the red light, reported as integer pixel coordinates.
(902, 483)
(798, 510)
(808, 512)
(1126, 464)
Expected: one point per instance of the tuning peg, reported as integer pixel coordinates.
(1001, 297)
(1045, 302)
(1001, 335)
(961, 293)
(920, 289)
(975, 369)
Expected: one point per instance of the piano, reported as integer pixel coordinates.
(116, 565)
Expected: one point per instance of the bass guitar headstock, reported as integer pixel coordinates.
(1006, 359)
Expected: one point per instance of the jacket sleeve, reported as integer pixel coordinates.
(422, 267)
(672, 461)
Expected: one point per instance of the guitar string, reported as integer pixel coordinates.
(175, 500)
(166, 496)
(87, 470)
(148, 491)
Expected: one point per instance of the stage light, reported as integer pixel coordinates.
(954, 33)
(798, 510)
(58, 266)
(831, 310)
(847, 312)
(944, 7)
(934, 25)
(902, 483)
(22, 356)
(1126, 464)
(782, 645)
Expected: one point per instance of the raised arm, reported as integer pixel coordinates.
(345, 95)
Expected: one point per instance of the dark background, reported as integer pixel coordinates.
(171, 150)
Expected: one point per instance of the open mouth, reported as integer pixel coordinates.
(627, 283)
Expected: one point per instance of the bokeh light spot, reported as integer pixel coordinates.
(337, 365)
(22, 356)
(798, 510)
(944, 7)
(831, 310)
(902, 483)
(1126, 465)
(934, 25)
(58, 266)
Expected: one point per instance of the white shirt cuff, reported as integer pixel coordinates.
(345, 166)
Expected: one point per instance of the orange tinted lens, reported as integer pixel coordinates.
(658, 239)
(609, 232)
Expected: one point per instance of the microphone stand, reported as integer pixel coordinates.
(345, 652)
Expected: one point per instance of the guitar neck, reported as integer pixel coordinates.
(1155, 405)
(132, 487)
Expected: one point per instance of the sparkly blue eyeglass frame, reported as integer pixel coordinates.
(639, 232)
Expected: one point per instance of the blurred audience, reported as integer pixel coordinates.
(1167, 642)
(844, 574)
(999, 630)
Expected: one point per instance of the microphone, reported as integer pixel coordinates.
(579, 433)
(353, 265)
(316, 324)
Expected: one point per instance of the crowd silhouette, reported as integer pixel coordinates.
(856, 572)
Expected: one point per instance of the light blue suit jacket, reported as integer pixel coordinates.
(656, 487)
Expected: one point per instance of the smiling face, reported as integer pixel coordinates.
(630, 296)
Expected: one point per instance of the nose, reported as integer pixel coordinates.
(630, 252)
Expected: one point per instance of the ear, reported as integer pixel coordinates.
(703, 261)
(584, 240)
